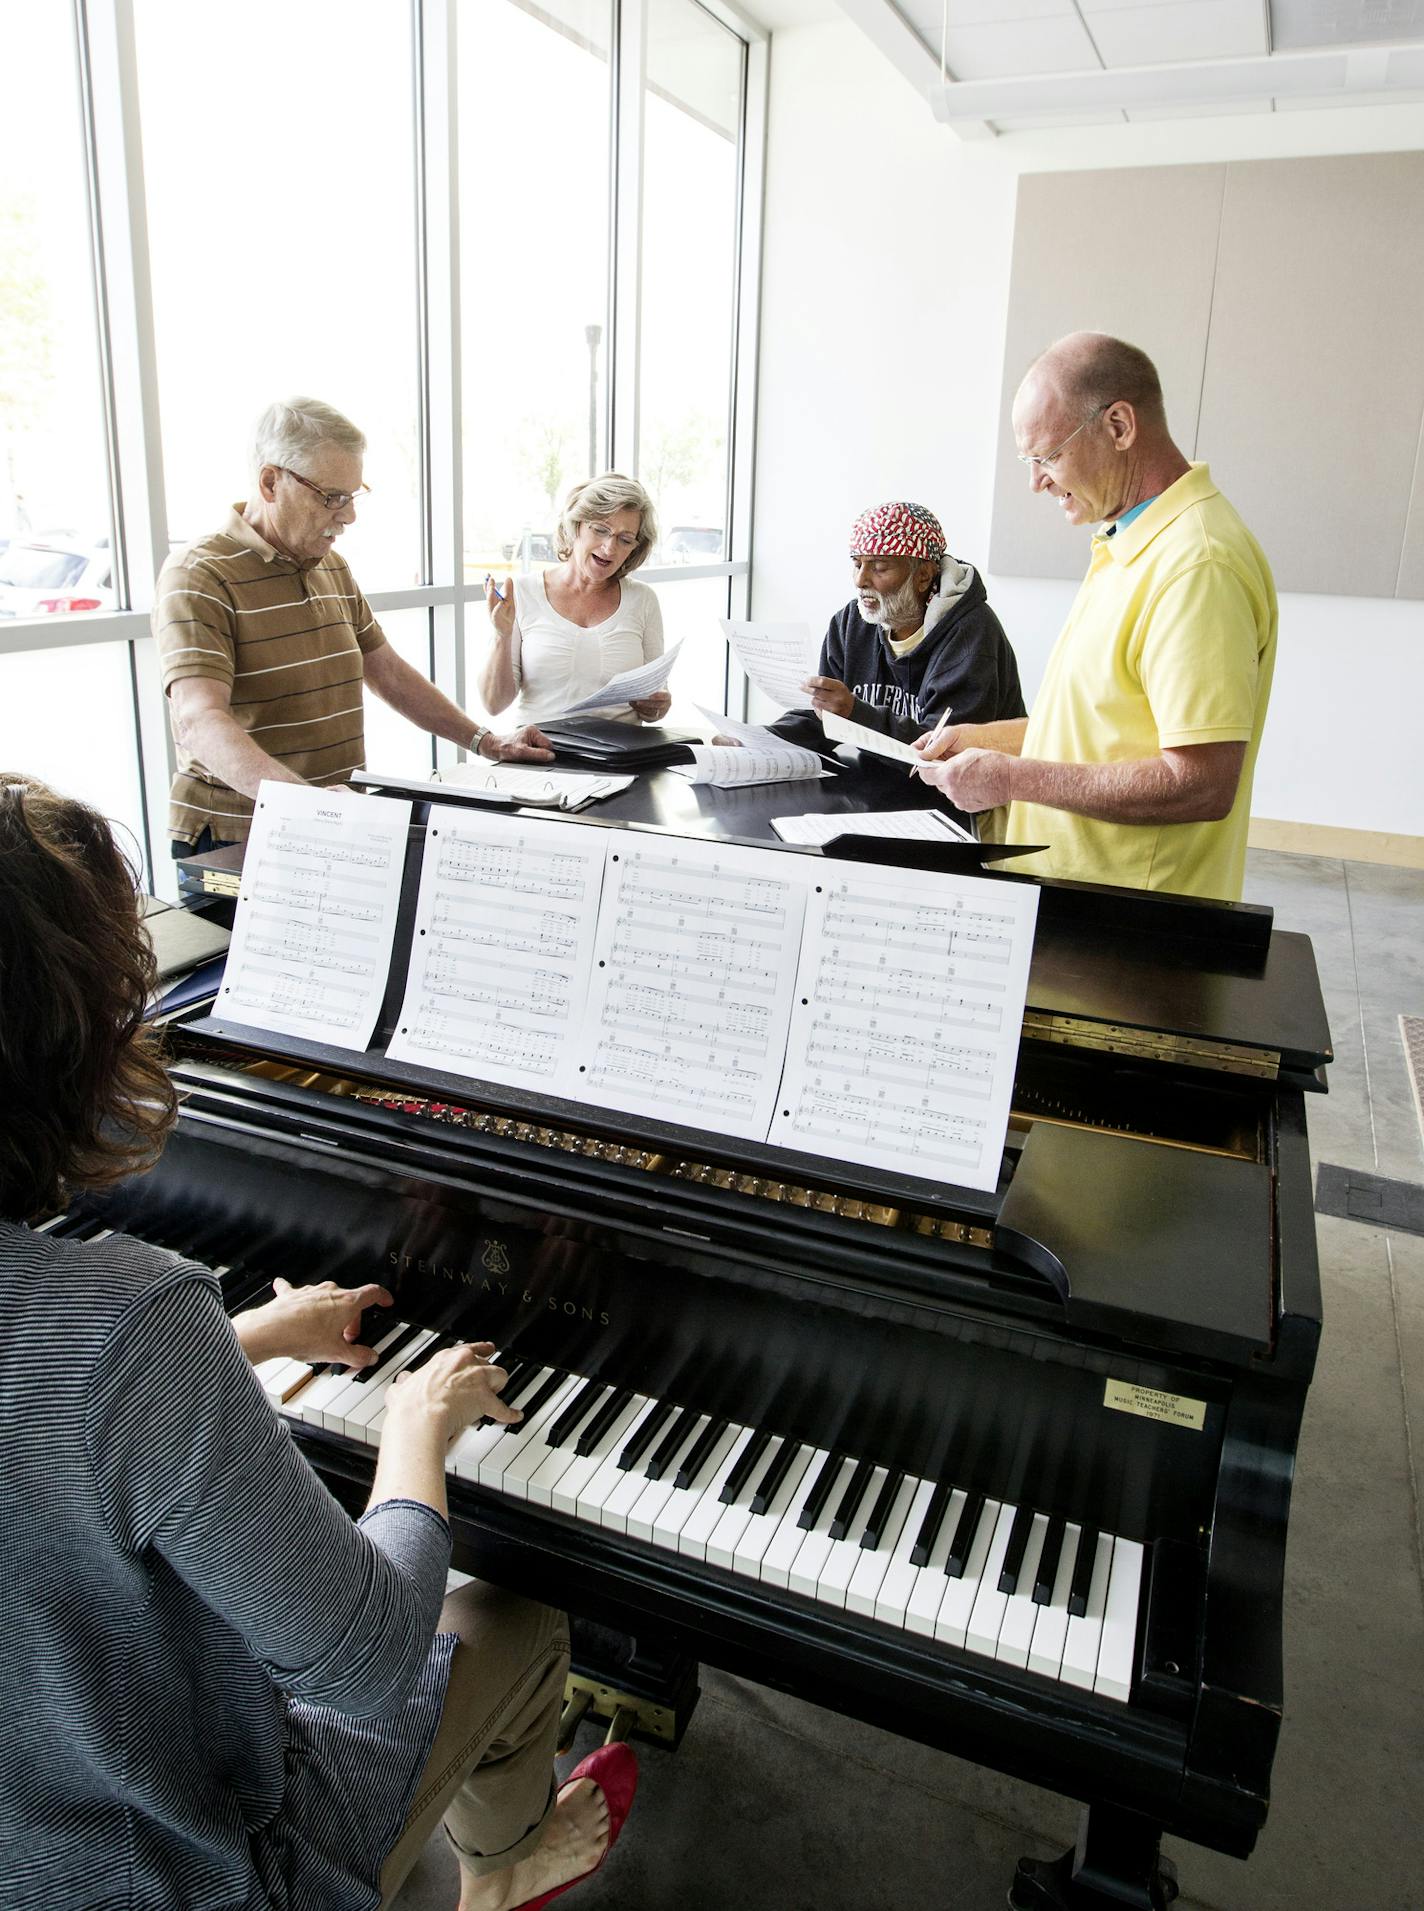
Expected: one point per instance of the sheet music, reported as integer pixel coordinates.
(316, 914)
(909, 1001)
(923, 826)
(726, 766)
(629, 686)
(503, 948)
(691, 996)
(842, 730)
(777, 657)
(533, 783)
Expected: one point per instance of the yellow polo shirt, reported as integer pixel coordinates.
(1171, 641)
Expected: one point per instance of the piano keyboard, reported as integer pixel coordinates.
(1001, 1581)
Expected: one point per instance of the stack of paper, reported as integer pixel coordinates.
(923, 826)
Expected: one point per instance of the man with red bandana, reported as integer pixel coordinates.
(917, 642)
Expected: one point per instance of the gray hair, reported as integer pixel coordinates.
(599, 498)
(289, 432)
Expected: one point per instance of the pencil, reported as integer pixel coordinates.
(937, 732)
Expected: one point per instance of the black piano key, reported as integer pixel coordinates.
(820, 1490)
(746, 1465)
(1014, 1551)
(1083, 1572)
(930, 1524)
(388, 1354)
(602, 1420)
(1048, 1560)
(880, 1512)
(844, 1516)
(664, 1453)
(429, 1351)
(696, 1456)
(566, 1423)
(541, 1395)
(642, 1438)
(970, 1515)
(522, 1375)
(771, 1480)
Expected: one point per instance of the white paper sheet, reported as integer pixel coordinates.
(316, 914)
(923, 826)
(909, 1003)
(534, 783)
(741, 763)
(503, 948)
(842, 730)
(629, 686)
(777, 657)
(691, 996)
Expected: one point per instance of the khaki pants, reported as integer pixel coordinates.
(490, 1773)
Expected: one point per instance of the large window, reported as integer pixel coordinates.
(279, 165)
(547, 206)
(54, 482)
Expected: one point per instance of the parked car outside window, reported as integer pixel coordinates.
(55, 574)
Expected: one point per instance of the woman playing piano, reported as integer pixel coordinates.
(218, 1690)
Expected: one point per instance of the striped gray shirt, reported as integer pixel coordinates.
(218, 1691)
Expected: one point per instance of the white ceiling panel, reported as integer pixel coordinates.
(993, 52)
(1297, 24)
(979, 13)
(1180, 30)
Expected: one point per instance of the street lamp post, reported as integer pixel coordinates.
(593, 333)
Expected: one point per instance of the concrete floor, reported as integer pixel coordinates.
(773, 1802)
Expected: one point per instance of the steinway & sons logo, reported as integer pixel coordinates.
(494, 1259)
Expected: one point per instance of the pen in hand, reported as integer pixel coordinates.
(492, 586)
(934, 735)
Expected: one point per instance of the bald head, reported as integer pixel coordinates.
(1088, 371)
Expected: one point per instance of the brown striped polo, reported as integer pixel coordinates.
(288, 639)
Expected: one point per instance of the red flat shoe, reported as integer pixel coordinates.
(614, 1769)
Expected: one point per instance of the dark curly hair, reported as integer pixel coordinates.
(84, 1096)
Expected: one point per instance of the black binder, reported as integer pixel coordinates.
(603, 743)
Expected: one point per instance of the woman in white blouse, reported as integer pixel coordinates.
(560, 634)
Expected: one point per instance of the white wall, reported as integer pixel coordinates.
(884, 301)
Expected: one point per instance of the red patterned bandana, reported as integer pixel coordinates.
(897, 530)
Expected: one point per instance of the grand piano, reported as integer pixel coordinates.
(1006, 1473)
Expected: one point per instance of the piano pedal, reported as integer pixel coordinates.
(629, 1714)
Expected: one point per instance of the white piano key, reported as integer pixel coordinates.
(892, 1595)
(574, 1481)
(931, 1585)
(760, 1529)
(962, 1595)
(523, 1449)
(353, 1388)
(594, 1496)
(1016, 1628)
(362, 1421)
(281, 1377)
(656, 1493)
(845, 1554)
(873, 1564)
(1080, 1645)
(700, 1523)
(815, 1547)
(682, 1502)
(1050, 1628)
(985, 1620)
(786, 1541)
(1119, 1641)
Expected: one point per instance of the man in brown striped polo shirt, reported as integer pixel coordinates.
(267, 644)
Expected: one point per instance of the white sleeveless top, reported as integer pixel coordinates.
(557, 663)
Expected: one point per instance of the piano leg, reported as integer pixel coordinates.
(1117, 1861)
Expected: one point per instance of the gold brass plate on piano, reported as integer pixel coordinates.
(1227, 1058)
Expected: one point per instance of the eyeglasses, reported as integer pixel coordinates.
(1045, 460)
(599, 532)
(333, 500)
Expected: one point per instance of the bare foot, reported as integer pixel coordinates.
(574, 1840)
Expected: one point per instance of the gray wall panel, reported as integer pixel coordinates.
(1280, 299)
(1315, 371)
(1079, 265)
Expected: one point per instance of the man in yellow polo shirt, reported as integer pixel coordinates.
(1135, 766)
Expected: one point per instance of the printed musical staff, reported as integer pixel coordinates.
(316, 914)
